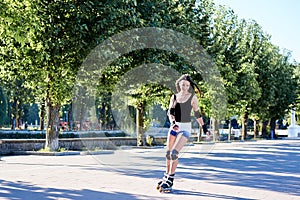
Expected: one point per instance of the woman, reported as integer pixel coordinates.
(179, 115)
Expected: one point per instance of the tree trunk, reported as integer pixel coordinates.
(19, 115)
(14, 112)
(230, 128)
(272, 127)
(82, 116)
(244, 126)
(9, 108)
(42, 115)
(52, 127)
(216, 133)
(70, 117)
(255, 128)
(264, 128)
(107, 118)
(140, 111)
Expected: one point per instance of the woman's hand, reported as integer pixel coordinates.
(175, 127)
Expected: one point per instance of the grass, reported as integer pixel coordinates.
(47, 149)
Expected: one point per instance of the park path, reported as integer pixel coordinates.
(267, 169)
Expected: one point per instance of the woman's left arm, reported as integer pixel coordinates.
(197, 114)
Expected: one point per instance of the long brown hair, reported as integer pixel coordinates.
(187, 78)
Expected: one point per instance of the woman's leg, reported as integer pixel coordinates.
(178, 144)
(174, 145)
(170, 143)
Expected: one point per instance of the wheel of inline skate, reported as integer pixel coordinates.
(158, 187)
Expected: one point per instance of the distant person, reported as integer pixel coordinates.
(26, 126)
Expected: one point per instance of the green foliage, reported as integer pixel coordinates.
(258, 78)
(150, 140)
(297, 79)
(43, 43)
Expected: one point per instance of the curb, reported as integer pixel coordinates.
(84, 153)
(37, 153)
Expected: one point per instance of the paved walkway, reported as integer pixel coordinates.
(238, 170)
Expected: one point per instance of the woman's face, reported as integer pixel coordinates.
(184, 85)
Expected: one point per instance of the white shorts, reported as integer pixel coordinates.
(184, 129)
(186, 126)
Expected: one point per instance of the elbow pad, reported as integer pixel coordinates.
(197, 114)
(172, 111)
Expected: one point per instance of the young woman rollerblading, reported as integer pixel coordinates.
(179, 114)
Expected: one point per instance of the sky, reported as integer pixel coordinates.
(278, 18)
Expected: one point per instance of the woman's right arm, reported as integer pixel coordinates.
(170, 110)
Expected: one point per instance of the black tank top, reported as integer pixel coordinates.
(183, 110)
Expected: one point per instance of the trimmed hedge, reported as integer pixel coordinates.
(22, 135)
(42, 134)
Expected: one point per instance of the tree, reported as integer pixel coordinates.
(235, 43)
(169, 14)
(43, 44)
(4, 119)
(254, 70)
(13, 49)
(46, 41)
(281, 87)
(297, 77)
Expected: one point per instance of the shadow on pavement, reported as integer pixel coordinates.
(275, 168)
(271, 167)
(203, 194)
(24, 191)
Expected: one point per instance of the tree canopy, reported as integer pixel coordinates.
(43, 44)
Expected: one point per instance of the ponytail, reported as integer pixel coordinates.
(193, 84)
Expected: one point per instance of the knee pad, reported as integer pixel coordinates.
(168, 155)
(174, 155)
(186, 134)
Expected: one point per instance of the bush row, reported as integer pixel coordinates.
(42, 135)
